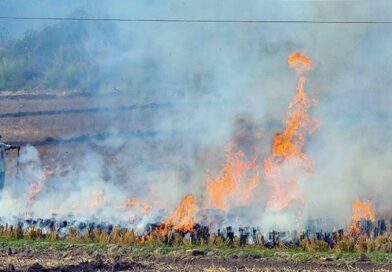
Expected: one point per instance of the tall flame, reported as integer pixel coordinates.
(288, 144)
(240, 175)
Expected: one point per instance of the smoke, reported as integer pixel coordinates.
(215, 76)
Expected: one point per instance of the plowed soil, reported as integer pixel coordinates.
(74, 258)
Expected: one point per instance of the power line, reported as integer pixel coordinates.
(194, 20)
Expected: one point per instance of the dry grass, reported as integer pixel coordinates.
(313, 245)
(363, 244)
(158, 238)
(221, 269)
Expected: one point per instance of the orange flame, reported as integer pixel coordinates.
(183, 218)
(300, 62)
(231, 181)
(362, 210)
(289, 143)
(249, 188)
(136, 203)
(239, 177)
(38, 185)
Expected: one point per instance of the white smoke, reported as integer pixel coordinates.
(215, 74)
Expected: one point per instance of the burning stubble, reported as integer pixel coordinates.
(264, 182)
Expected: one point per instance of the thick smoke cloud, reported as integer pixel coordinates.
(216, 75)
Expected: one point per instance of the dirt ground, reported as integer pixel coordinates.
(79, 120)
(35, 117)
(77, 259)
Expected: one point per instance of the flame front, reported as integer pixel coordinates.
(288, 144)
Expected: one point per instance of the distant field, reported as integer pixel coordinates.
(34, 117)
(64, 126)
(41, 117)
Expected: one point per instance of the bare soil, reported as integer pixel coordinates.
(72, 121)
(122, 259)
(35, 117)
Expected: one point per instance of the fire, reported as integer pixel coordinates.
(183, 218)
(363, 210)
(249, 188)
(38, 185)
(232, 179)
(134, 203)
(240, 175)
(288, 144)
(300, 62)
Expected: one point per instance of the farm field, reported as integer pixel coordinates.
(27, 255)
(213, 136)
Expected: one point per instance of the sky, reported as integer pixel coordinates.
(220, 10)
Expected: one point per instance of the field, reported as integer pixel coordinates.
(182, 136)
(65, 256)
(33, 117)
(123, 250)
(62, 125)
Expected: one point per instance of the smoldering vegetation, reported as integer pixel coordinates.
(226, 83)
